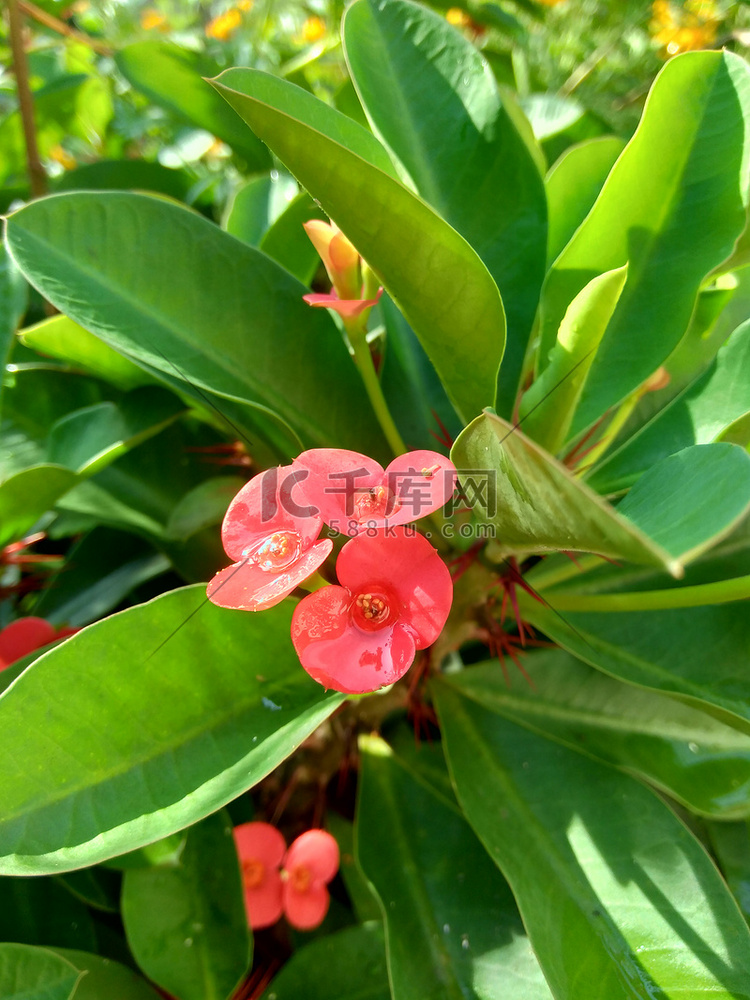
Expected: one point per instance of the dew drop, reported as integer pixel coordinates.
(446, 928)
(188, 942)
(465, 942)
(270, 705)
(274, 175)
(693, 747)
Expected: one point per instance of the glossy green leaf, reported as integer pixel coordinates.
(162, 714)
(13, 296)
(688, 501)
(97, 887)
(220, 316)
(548, 407)
(105, 979)
(28, 973)
(40, 911)
(573, 185)
(697, 416)
(698, 654)
(88, 440)
(419, 80)
(175, 79)
(639, 909)
(680, 182)
(125, 175)
(186, 923)
(203, 506)
(532, 503)
(257, 205)
(686, 753)
(430, 874)
(287, 242)
(435, 277)
(731, 844)
(25, 496)
(550, 114)
(59, 337)
(348, 965)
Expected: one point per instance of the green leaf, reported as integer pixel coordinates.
(681, 182)
(28, 973)
(105, 979)
(125, 175)
(203, 506)
(698, 654)
(354, 964)
(25, 496)
(434, 276)
(689, 501)
(88, 440)
(573, 185)
(532, 503)
(429, 872)
(162, 714)
(220, 315)
(59, 337)
(421, 80)
(686, 753)
(287, 242)
(186, 923)
(40, 911)
(13, 296)
(174, 78)
(731, 844)
(257, 204)
(697, 416)
(548, 407)
(639, 909)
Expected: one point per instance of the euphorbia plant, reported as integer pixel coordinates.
(556, 835)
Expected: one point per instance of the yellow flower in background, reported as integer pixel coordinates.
(457, 17)
(550, 3)
(63, 157)
(153, 19)
(313, 29)
(245, 5)
(224, 25)
(692, 26)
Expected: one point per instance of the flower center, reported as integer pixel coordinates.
(253, 873)
(375, 502)
(300, 878)
(371, 611)
(277, 552)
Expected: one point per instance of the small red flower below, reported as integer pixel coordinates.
(285, 882)
(25, 635)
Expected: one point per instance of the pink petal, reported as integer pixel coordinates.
(317, 851)
(344, 307)
(340, 655)
(407, 566)
(270, 502)
(264, 905)
(423, 481)
(333, 476)
(22, 637)
(261, 842)
(305, 910)
(246, 587)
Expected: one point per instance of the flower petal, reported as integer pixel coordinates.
(317, 851)
(305, 910)
(245, 586)
(344, 307)
(270, 502)
(333, 477)
(264, 904)
(340, 655)
(22, 637)
(423, 481)
(260, 842)
(407, 566)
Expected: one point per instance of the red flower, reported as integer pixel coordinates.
(25, 635)
(394, 598)
(298, 890)
(353, 492)
(272, 540)
(344, 307)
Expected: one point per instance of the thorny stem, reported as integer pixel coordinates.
(363, 360)
(37, 176)
(720, 592)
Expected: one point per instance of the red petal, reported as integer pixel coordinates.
(423, 481)
(246, 587)
(317, 851)
(22, 637)
(341, 656)
(305, 910)
(407, 566)
(333, 474)
(344, 307)
(260, 842)
(270, 502)
(264, 905)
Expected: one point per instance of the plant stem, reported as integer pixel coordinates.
(721, 592)
(50, 21)
(37, 176)
(363, 360)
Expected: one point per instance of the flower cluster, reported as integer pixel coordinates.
(682, 29)
(349, 296)
(25, 635)
(394, 591)
(279, 882)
